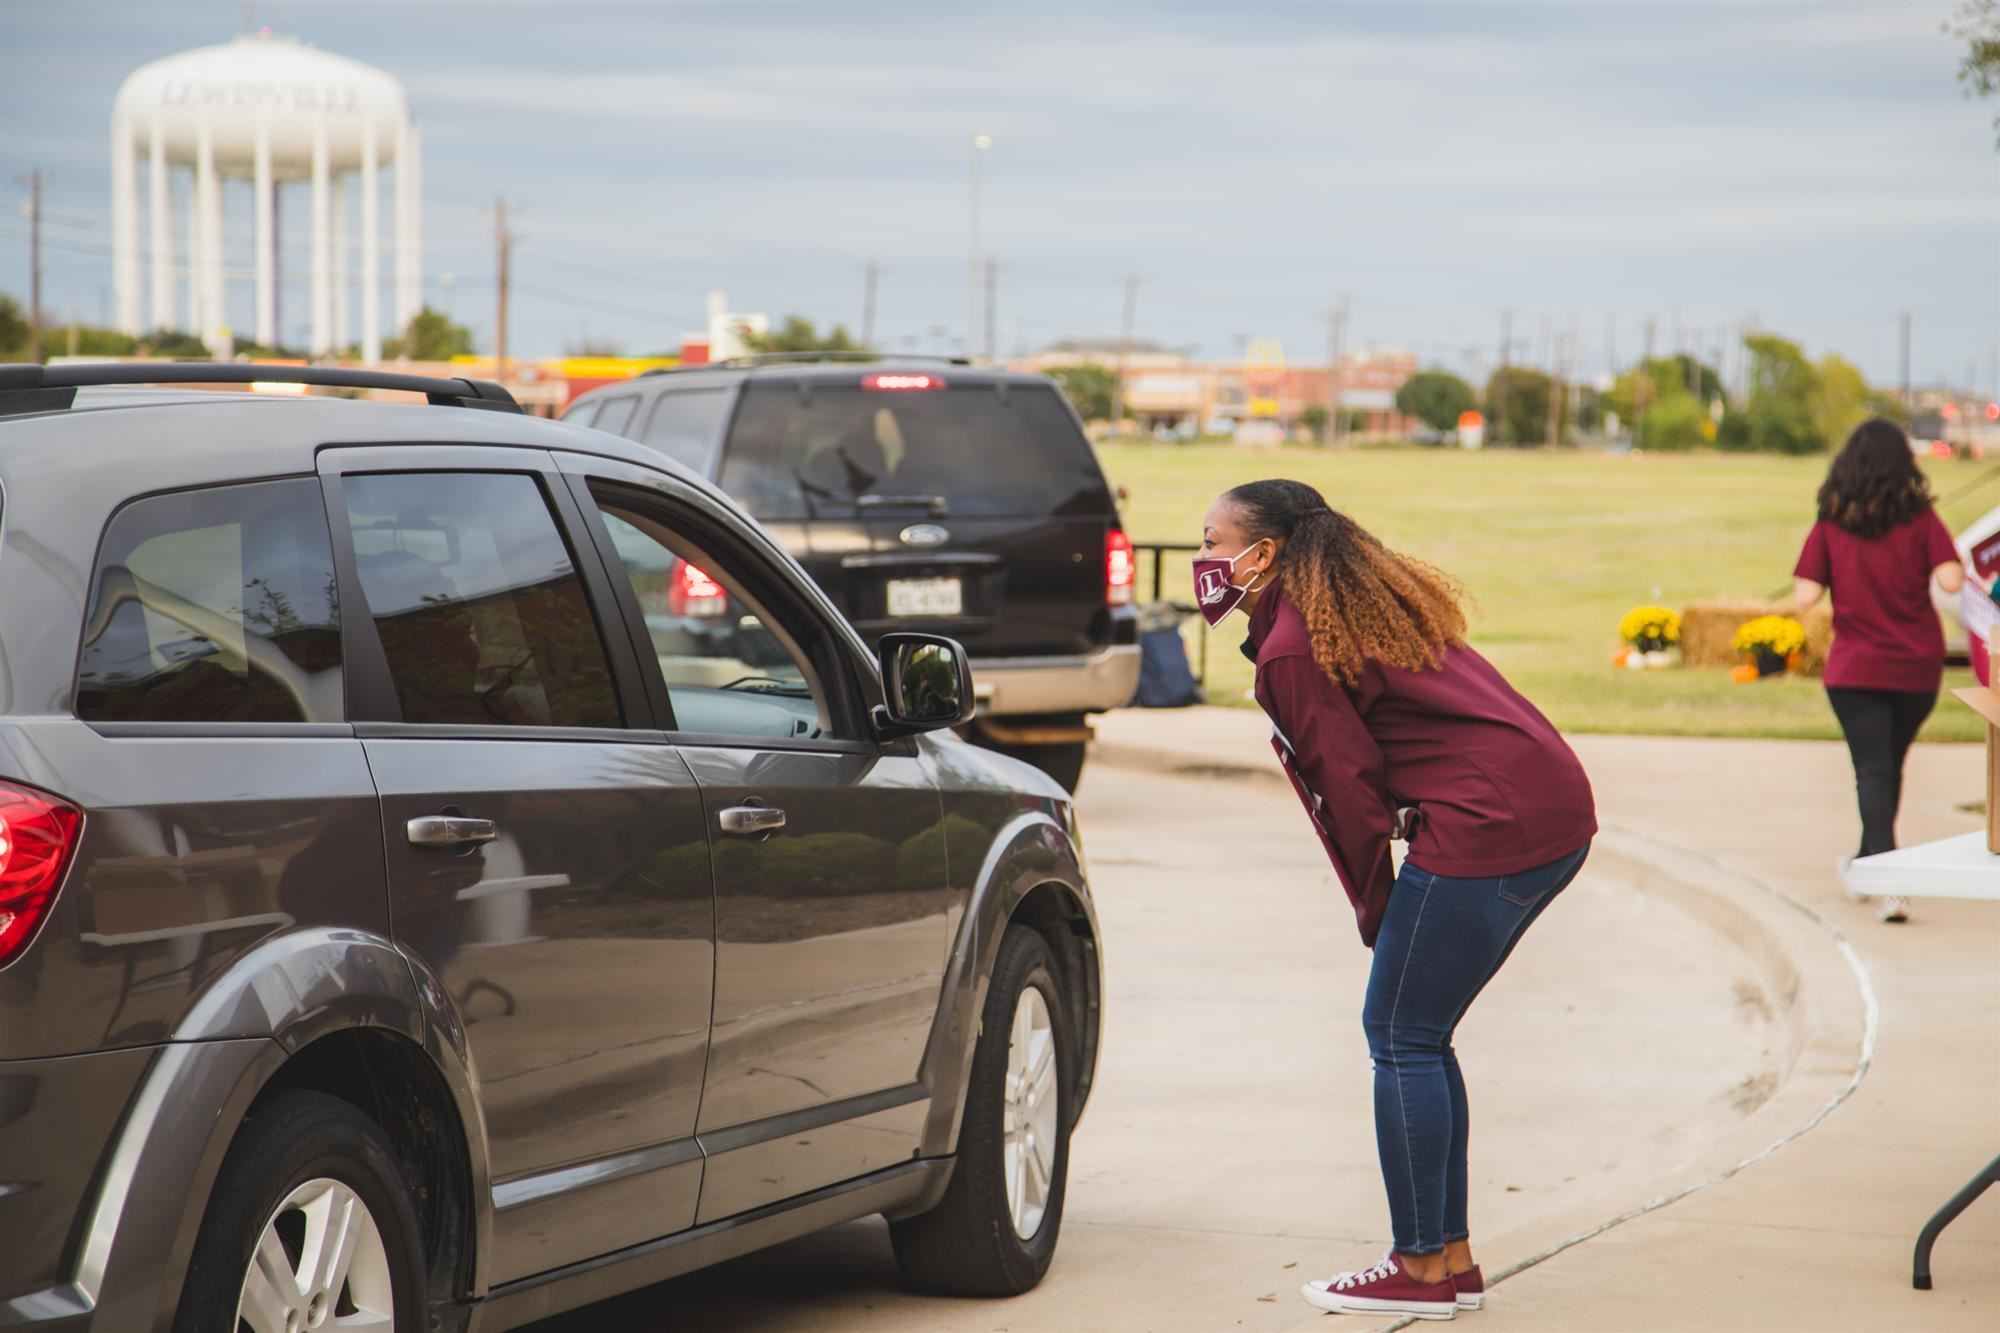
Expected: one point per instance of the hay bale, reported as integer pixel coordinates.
(1708, 630)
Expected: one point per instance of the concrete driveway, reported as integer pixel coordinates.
(1228, 1152)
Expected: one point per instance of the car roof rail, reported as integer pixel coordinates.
(28, 387)
(755, 359)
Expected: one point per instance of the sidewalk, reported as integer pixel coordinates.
(1816, 1235)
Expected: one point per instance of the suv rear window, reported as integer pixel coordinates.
(684, 424)
(984, 450)
(214, 606)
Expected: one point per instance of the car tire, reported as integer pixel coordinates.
(972, 1244)
(306, 1167)
(1064, 763)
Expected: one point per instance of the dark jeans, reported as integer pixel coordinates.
(1879, 726)
(1441, 941)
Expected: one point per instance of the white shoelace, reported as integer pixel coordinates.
(1384, 1267)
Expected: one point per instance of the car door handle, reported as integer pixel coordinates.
(750, 820)
(449, 831)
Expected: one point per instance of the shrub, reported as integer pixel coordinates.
(1674, 426)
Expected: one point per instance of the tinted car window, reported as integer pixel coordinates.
(616, 414)
(583, 414)
(683, 425)
(215, 606)
(480, 610)
(727, 671)
(982, 450)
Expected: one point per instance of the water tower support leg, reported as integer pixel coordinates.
(162, 200)
(267, 243)
(371, 248)
(125, 224)
(322, 289)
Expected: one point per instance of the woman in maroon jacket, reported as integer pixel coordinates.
(1877, 546)
(1391, 726)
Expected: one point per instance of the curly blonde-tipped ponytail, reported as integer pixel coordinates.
(1361, 601)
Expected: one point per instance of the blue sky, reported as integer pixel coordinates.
(1812, 166)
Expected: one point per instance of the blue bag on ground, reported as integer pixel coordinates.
(1165, 681)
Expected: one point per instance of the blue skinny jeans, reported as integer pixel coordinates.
(1442, 940)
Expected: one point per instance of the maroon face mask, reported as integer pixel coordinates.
(1214, 593)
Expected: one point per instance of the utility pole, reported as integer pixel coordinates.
(1124, 350)
(1555, 391)
(868, 308)
(992, 285)
(503, 255)
(1906, 360)
(1334, 319)
(1641, 399)
(1334, 426)
(33, 181)
(980, 143)
(1564, 388)
(1500, 378)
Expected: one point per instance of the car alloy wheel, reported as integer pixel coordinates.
(994, 1231)
(319, 1263)
(1031, 1113)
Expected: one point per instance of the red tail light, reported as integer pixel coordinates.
(902, 383)
(1120, 568)
(694, 593)
(37, 834)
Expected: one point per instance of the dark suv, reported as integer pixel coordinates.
(419, 908)
(924, 495)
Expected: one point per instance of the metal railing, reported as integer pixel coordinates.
(1160, 551)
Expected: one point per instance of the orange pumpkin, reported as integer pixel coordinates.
(1743, 674)
(1621, 657)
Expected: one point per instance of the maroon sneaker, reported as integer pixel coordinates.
(1383, 1289)
(1471, 1289)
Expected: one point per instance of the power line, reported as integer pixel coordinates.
(584, 302)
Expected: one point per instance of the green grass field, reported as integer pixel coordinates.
(1554, 548)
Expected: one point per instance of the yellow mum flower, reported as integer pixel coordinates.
(1650, 627)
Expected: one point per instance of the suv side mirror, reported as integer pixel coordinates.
(927, 680)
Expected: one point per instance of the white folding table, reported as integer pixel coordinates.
(1960, 867)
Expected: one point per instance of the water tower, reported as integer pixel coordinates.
(275, 112)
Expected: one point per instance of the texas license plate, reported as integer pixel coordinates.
(926, 597)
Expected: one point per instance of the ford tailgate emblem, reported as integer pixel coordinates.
(925, 534)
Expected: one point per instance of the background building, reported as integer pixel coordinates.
(1168, 392)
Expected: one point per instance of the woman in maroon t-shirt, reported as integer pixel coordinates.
(1392, 726)
(1877, 546)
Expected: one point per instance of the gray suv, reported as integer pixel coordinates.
(416, 912)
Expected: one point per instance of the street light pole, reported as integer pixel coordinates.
(980, 143)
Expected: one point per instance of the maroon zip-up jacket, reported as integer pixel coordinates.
(1495, 789)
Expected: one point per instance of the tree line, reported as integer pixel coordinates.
(429, 336)
(1789, 404)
